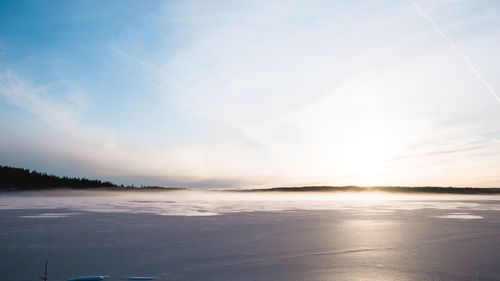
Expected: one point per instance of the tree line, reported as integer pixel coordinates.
(18, 178)
(400, 189)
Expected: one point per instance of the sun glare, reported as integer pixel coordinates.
(365, 158)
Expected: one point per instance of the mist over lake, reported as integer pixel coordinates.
(210, 203)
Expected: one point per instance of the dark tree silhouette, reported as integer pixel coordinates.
(401, 189)
(17, 178)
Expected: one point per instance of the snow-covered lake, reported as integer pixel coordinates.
(202, 235)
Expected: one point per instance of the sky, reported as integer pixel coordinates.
(239, 94)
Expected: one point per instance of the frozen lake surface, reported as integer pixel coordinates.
(192, 235)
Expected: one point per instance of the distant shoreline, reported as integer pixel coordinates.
(302, 189)
(18, 179)
(392, 189)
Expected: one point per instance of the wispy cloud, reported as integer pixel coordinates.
(60, 115)
(131, 58)
(99, 151)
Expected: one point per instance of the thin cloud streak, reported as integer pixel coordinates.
(134, 59)
(457, 50)
(58, 114)
(435, 153)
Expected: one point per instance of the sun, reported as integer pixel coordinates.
(366, 157)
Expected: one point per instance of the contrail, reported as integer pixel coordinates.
(459, 51)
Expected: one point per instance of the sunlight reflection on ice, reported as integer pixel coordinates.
(463, 216)
(50, 215)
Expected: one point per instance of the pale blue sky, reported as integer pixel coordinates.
(253, 93)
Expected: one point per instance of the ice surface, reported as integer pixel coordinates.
(240, 236)
(464, 216)
(50, 215)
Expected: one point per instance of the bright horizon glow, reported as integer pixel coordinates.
(253, 94)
